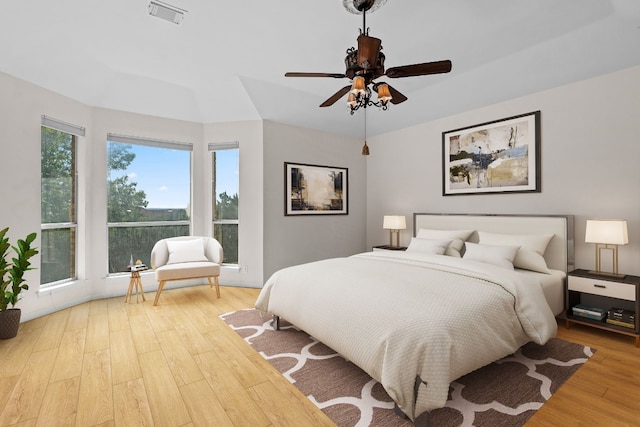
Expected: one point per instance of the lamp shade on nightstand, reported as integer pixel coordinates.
(607, 234)
(394, 223)
(607, 231)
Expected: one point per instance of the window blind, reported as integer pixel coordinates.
(213, 146)
(56, 124)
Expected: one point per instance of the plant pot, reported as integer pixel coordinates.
(9, 323)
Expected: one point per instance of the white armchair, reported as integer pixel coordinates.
(184, 258)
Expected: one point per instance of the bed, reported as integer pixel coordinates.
(417, 320)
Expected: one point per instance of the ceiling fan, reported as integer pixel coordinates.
(366, 64)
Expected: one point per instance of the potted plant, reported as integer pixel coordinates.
(13, 282)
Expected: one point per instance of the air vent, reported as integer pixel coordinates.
(166, 11)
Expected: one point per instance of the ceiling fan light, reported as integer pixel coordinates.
(384, 95)
(358, 86)
(351, 100)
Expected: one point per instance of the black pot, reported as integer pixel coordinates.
(9, 323)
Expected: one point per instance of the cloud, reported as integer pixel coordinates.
(163, 188)
(132, 175)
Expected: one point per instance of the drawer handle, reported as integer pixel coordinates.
(600, 286)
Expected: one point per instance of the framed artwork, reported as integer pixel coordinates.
(502, 156)
(315, 190)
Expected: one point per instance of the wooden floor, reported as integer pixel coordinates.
(107, 363)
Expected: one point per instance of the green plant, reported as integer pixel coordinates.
(12, 273)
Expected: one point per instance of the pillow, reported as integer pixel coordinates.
(428, 246)
(532, 248)
(457, 238)
(502, 256)
(185, 251)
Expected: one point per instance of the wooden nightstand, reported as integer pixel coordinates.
(603, 292)
(389, 248)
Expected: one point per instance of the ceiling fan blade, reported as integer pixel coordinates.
(339, 94)
(396, 97)
(437, 67)
(334, 75)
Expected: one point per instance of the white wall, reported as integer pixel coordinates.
(250, 209)
(290, 240)
(21, 108)
(590, 154)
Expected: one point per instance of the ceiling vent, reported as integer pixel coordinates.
(166, 11)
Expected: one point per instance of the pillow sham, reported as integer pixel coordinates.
(186, 251)
(532, 248)
(457, 238)
(428, 246)
(502, 256)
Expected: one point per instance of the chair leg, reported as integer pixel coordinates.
(215, 280)
(160, 286)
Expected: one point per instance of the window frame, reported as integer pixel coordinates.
(156, 143)
(213, 147)
(76, 132)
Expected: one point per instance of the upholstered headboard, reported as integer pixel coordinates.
(559, 254)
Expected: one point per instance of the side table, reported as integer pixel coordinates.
(137, 283)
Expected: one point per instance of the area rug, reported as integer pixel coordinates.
(506, 392)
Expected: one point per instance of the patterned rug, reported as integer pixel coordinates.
(506, 392)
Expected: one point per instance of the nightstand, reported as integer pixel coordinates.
(389, 248)
(603, 292)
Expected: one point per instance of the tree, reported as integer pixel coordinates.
(125, 203)
(58, 204)
(227, 234)
(58, 169)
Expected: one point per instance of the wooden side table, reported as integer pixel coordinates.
(604, 292)
(137, 283)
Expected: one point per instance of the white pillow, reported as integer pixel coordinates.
(532, 248)
(185, 251)
(502, 256)
(457, 238)
(428, 246)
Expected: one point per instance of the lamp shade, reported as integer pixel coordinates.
(358, 86)
(394, 222)
(606, 231)
(384, 95)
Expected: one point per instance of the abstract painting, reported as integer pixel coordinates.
(315, 190)
(494, 157)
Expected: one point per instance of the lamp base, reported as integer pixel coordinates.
(607, 274)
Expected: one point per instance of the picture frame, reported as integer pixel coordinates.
(315, 190)
(501, 156)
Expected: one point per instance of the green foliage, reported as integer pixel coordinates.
(125, 203)
(58, 170)
(226, 206)
(13, 281)
(227, 234)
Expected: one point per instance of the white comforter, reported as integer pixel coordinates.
(397, 317)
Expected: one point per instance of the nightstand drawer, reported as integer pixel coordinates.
(603, 287)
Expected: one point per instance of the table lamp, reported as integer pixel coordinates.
(394, 223)
(607, 234)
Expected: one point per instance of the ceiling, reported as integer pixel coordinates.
(226, 60)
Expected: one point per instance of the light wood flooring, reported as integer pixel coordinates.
(107, 363)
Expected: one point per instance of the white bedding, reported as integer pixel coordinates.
(552, 286)
(398, 316)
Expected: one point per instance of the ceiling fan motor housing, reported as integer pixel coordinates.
(366, 61)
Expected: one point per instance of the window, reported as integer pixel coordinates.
(225, 180)
(148, 196)
(58, 209)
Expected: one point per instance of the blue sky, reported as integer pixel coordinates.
(164, 175)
